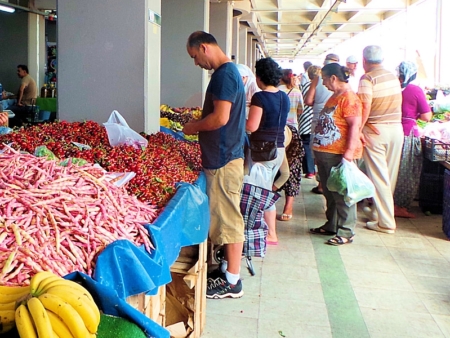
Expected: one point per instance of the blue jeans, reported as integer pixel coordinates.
(308, 161)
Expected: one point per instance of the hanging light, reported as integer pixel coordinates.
(7, 9)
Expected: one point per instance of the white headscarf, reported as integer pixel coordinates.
(246, 71)
(408, 70)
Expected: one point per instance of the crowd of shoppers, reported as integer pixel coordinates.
(328, 115)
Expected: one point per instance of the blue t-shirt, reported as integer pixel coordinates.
(272, 125)
(225, 144)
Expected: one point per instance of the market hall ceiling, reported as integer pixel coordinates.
(294, 28)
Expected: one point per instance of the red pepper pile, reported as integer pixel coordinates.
(158, 167)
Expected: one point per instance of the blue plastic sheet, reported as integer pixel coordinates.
(110, 303)
(178, 135)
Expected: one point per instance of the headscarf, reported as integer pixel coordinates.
(246, 71)
(408, 70)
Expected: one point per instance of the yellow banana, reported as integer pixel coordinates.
(8, 306)
(24, 322)
(13, 290)
(40, 318)
(7, 320)
(59, 328)
(55, 335)
(86, 308)
(67, 314)
(43, 284)
(12, 297)
(38, 278)
(71, 284)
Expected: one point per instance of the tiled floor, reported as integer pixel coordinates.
(382, 285)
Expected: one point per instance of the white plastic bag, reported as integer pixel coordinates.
(259, 176)
(346, 179)
(120, 133)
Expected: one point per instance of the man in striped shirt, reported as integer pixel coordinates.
(381, 96)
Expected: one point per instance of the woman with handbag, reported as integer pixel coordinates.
(337, 137)
(266, 121)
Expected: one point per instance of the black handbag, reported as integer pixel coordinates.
(261, 151)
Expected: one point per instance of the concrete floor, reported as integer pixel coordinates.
(381, 285)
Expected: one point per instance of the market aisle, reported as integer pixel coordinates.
(380, 286)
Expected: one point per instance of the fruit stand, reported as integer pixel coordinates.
(128, 272)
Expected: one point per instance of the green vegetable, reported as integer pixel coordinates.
(117, 327)
(43, 151)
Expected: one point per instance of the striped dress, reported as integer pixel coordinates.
(305, 119)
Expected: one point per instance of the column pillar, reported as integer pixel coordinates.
(221, 15)
(182, 83)
(442, 72)
(36, 48)
(242, 53)
(104, 65)
(250, 52)
(235, 43)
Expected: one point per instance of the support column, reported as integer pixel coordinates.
(104, 65)
(442, 72)
(235, 41)
(182, 83)
(250, 52)
(221, 15)
(254, 52)
(36, 48)
(242, 53)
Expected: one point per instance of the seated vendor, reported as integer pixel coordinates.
(26, 95)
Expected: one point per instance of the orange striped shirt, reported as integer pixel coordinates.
(381, 89)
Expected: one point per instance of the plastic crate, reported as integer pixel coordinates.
(431, 188)
(446, 205)
(436, 150)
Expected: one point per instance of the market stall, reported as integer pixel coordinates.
(173, 197)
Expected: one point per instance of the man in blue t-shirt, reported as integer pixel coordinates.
(221, 135)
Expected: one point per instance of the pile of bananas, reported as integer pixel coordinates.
(50, 307)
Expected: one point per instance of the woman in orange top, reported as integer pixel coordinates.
(336, 137)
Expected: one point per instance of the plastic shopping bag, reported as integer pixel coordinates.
(120, 133)
(346, 179)
(259, 176)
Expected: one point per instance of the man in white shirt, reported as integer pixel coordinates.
(353, 80)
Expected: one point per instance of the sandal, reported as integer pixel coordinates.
(284, 217)
(317, 191)
(339, 240)
(321, 231)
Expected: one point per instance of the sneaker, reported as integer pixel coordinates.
(214, 274)
(309, 176)
(220, 288)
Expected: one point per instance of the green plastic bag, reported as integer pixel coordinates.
(346, 179)
(43, 151)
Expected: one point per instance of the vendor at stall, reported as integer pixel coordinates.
(25, 97)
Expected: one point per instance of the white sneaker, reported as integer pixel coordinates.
(372, 215)
(375, 227)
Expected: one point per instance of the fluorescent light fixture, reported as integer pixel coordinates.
(7, 9)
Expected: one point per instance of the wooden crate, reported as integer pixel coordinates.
(188, 289)
(152, 306)
(188, 275)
